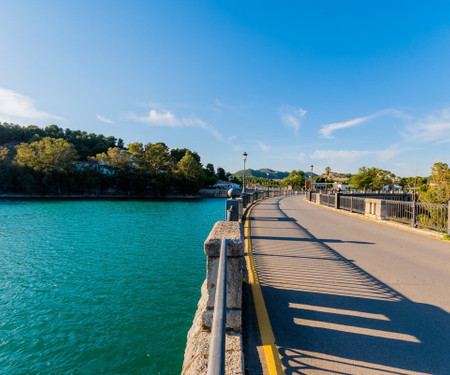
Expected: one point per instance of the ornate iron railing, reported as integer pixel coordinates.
(352, 204)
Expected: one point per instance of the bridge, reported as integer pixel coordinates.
(333, 293)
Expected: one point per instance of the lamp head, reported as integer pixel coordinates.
(244, 155)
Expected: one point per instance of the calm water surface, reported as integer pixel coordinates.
(100, 287)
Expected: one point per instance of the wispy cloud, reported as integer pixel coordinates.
(232, 138)
(292, 117)
(434, 128)
(168, 119)
(223, 105)
(104, 119)
(299, 156)
(263, 146)
(384, 155)
(328, 129)
(339, 154)
(15, 107)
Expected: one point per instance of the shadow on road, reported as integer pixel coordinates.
(331, 316)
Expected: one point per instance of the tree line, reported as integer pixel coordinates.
(53, 161)
(432, 189)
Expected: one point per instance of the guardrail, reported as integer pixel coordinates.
(427, 215)
(352, 204)
(216, 361)
(398, 207)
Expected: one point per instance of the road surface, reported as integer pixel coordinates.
(350, 296)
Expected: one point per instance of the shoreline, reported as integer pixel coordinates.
(99, 197)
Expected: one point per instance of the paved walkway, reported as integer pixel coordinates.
(348, 296)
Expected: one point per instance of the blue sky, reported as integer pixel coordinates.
(292, 83)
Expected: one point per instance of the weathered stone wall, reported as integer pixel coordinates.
(199, 336)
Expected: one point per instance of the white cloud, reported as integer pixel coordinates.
(104, 119)
(219, 103)
(168, 119)
(387, 154)
(15, 107)
(292, 117)
(263, 146)
(339, 154)
(328, 129)
(156, 118)
(292, 156)
(223, 105)
(232, 138)
(432, 129)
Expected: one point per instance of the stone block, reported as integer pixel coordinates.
(234, 319)
(234, 281)
(229, 230)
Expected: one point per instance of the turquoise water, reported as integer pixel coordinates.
(100, 287)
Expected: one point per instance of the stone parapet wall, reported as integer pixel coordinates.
(199, 336)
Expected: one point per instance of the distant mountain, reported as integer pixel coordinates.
(265, 173)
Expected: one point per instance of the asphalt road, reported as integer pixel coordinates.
(350, 296)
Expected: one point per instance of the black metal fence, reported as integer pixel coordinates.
(419, 214)
(400, 207)
(328, 200)
(352, 204)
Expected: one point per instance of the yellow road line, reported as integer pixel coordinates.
(271, 354)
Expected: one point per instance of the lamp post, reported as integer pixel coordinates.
(310, 177)
(244, 155)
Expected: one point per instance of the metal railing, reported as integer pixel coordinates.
(399, 207)
(433, 216)
(216, 361)
(426, 215)
(328, 199)
(353, 204)
(399, 211)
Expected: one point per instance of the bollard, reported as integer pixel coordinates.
(232, 206)
(244, 197)
(337, 202)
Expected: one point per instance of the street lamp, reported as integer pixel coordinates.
(310, 177)
(244, 155)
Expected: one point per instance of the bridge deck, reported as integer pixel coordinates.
(348, 296)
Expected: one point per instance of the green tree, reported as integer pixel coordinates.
(3, 153)
(372, 178)
(221, 175)
(117, 158)
(178, 153)
(191, 173)
(439, 188)
(152, 158)
(296, 179)
(47, 155)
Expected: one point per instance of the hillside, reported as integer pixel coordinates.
(264, 172)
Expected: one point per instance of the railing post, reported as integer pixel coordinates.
(414, 212)
(337, 202)
(351, 203)
(448, 219)
(244, 200)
